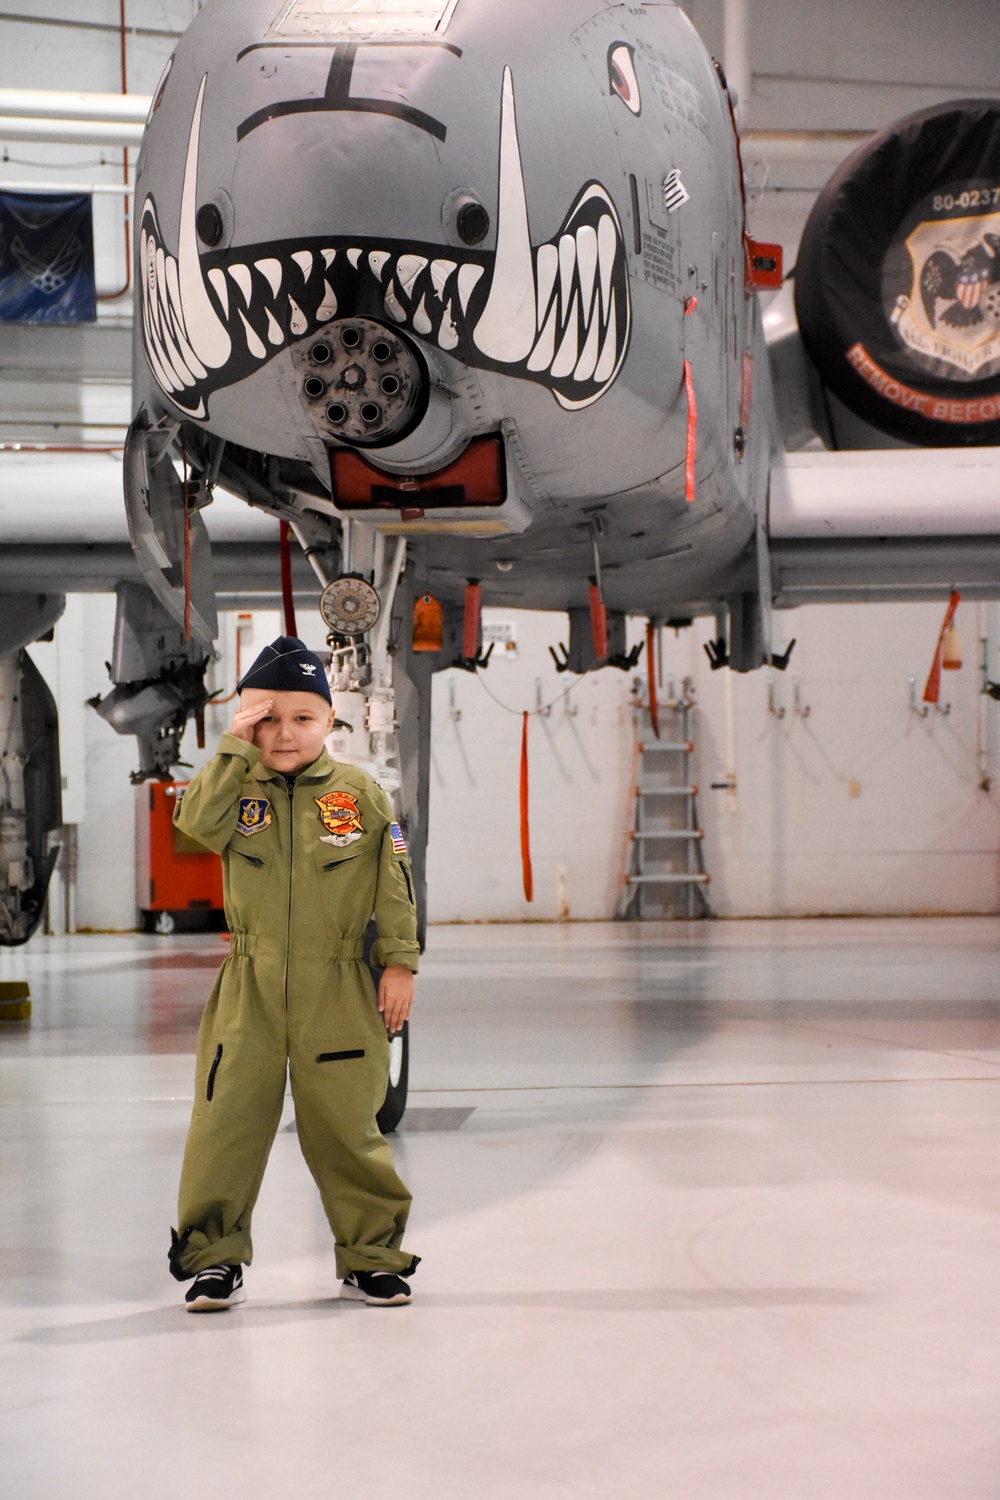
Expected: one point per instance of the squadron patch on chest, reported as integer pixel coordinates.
(340, 813)
(255, 815)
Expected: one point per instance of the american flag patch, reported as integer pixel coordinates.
(398, 842)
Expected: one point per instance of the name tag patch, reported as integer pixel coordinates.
(339, 812)
(255, 815)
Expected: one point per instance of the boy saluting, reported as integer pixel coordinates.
(310, 851)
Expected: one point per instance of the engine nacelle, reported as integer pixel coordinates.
(897, 287)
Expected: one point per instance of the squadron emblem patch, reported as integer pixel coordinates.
(255, 814)
(340, 813)
(943, 298)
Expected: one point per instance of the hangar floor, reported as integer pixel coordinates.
(707, 1210)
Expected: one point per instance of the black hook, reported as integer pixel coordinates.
(780, 662)
(563, 665)
(717, 653)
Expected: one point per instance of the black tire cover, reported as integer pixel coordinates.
(897, 286)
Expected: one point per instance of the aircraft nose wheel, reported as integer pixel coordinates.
(392, 1110)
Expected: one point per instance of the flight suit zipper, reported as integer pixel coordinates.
(291, 869)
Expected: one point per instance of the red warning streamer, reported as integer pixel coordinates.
(472, 624)
(529, 885)
(287, 601)
(932, 691)
(598, 622)
(691, 448)
(654, 707)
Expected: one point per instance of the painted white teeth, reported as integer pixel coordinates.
(304, 260)
(253, 342)
(421, 322)
(377, 260)
(546, 266)
(607, 245)
(609, 354)
(468, 277)
(408, 268)
(543, 352)
(329, 256)
(441, 270)
(297, 322)
(588, 359)
(354, 256)
(565, 360)
(274, 333)
(393, 306)
(586, 260)
(244, 280)
(447, 333)
(567, 263)
(190, 360)
(328, 307)
(218, 280)
(271, 269)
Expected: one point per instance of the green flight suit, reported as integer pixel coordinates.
(303, 873)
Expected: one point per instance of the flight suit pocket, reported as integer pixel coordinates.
(343, 877)
(247, 873)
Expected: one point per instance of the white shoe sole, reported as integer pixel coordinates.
(215, 1304)
(355, 1294)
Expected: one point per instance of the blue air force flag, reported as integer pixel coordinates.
(46, 258)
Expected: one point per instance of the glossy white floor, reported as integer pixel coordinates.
(707, 1211)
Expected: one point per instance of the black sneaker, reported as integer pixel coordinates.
(378, 1288)
(215, 1288)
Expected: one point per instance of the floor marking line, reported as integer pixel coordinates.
(760, 1083)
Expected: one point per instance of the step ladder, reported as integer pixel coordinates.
(665, 874)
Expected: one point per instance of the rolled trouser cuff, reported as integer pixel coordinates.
(375, 1258)
(193, 1251)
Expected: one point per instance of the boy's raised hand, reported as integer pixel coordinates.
(246, 719)
(395, 996)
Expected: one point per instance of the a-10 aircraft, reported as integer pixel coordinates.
(463, 292)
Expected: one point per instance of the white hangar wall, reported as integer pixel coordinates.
(861, 806)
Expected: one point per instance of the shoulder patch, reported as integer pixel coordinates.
(398, 842)
(255, 814)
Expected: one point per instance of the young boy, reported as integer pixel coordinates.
(310, 850)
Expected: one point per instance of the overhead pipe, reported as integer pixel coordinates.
(59, 104)
(121, 189)
(63, 132)
(73, 23)
(810, 147)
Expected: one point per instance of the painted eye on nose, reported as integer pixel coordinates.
(621, 75)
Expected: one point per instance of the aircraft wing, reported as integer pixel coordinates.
(891, 523)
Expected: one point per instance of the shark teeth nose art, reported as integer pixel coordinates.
(558, 314)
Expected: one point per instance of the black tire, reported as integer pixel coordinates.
(897, 287)
(394, 1106)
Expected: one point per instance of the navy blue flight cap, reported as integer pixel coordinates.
(287, 666)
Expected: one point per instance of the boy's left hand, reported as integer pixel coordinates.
(395, 996)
